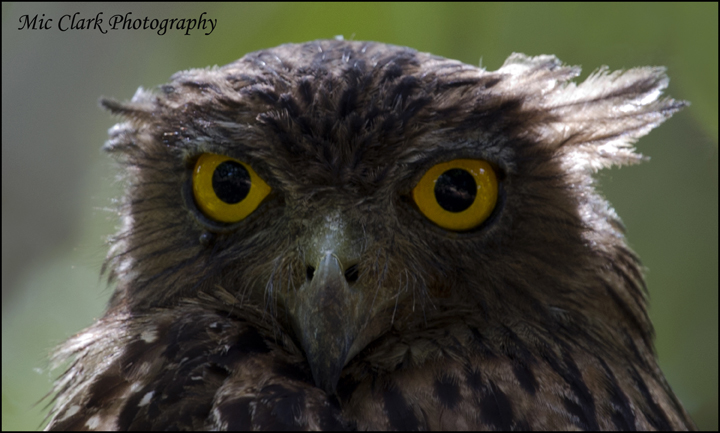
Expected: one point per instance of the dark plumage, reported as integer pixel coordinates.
(338, 303)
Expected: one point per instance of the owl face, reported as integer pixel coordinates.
(351, 191)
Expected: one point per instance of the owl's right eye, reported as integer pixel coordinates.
(226, 189)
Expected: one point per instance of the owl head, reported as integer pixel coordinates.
(349, 194)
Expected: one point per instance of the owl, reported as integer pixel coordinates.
(353, 235)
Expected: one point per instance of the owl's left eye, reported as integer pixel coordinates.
(457, 195)
(226, 189)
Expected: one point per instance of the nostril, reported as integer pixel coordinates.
(351, 274)
(309, 272)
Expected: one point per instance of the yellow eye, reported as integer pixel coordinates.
(457, 195)
(226, 189)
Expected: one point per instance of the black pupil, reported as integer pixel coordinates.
(455, 190)
(231, 182)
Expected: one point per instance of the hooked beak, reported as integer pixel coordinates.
(327, 320)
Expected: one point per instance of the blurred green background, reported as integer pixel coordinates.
(57, 186)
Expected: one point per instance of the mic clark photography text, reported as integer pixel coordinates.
(117, 22)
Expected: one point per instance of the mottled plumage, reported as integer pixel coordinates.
(337, 304)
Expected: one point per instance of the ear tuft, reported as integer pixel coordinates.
(593, 124)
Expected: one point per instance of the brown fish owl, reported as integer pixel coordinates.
(353, 235)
